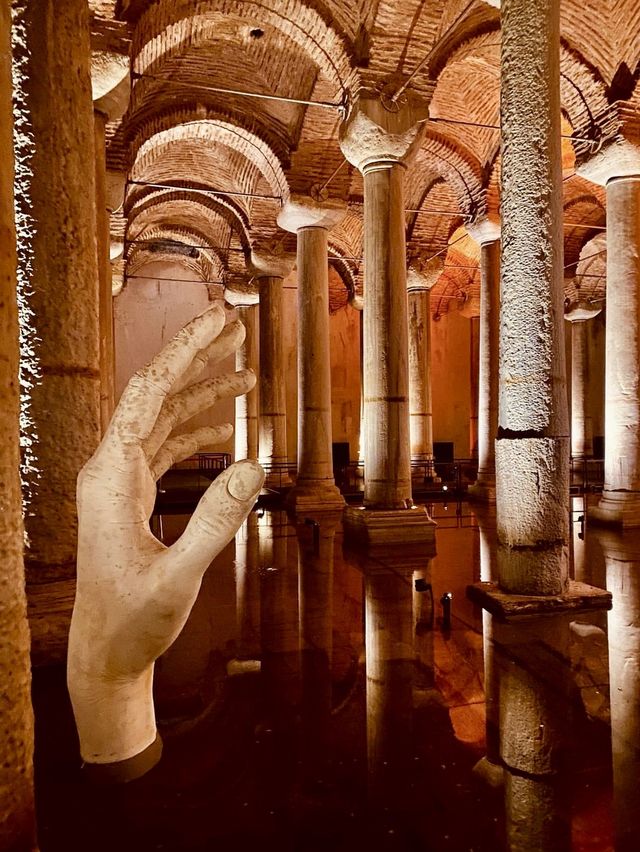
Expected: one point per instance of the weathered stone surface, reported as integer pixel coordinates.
(506, 606)
(17, 816)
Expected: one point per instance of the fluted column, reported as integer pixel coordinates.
(311, 221)
(17, 812)
(56, 204)
(378, 141)
(487, 233)
(420, 280)
(581, 425)
(270, 272)
(532, 450)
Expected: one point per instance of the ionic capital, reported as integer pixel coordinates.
(618, 158)
(378, 130)
(423, 274)
(270, 264)
(485, 230)
(302, 211)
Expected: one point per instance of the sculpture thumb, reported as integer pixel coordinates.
(217, 517)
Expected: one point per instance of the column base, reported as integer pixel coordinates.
(483, 489)
(579, 597)
(621, 510)
(373, 527)
(314, 497)
(277, 480)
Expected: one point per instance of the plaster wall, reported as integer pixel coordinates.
(451, 385)
(345, 377)
(147, 313)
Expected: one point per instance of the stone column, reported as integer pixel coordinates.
(487, 233)
(56, 204)
(532, 450)
(474, 388)
(315, 486)
(620, 171)
(270, 272)
(581, 428)
(246, 432)
(17, 812)
(378, 141)
(420, 280)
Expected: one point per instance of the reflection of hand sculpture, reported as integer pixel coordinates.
(134, 594)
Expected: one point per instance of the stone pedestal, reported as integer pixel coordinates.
(310, 220)
(17, 812)
(487, 233)
(270, 272)
(57, 207)
(377, 141)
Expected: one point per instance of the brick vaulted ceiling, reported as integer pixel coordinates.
(208, 167)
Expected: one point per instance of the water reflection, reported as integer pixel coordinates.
(312, 744)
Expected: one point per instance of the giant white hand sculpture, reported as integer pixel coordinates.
(134, 594)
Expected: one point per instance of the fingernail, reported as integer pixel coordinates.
(246, 480)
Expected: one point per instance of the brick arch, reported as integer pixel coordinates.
(170, 27)
(250, 152)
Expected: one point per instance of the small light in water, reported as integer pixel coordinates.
(445, 487)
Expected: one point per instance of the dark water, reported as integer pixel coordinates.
(317, 706)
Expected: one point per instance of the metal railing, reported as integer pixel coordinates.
(586, 475)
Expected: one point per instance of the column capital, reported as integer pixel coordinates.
(273, 263)
(423, 274)
(484, 230)
(581, 311)
(302, 211)
(110, 83)
(378, 130)
(241, 292)
(619, 158)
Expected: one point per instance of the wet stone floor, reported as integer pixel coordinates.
(321, 699)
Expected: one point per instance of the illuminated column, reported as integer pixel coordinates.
(110, 90)
(246, 429)
(270, 272)
(315, 486)
(619, 168)
(56, 207)
(581, 428)
(474, 375)
(420, 280)
(487, 233)
(532, 450)
(17, 813)
(622, 557)
(378, 140)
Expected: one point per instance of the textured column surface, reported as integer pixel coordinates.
(489, 237)
(272, 392)
(17, 817)
(315, 486)
(56, 207)
(620, 501)
(107, 353)
(246, 428)
(532, 450)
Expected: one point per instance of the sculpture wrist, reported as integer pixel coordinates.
(115, 716)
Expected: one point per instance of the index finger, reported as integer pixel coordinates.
(142, 399)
